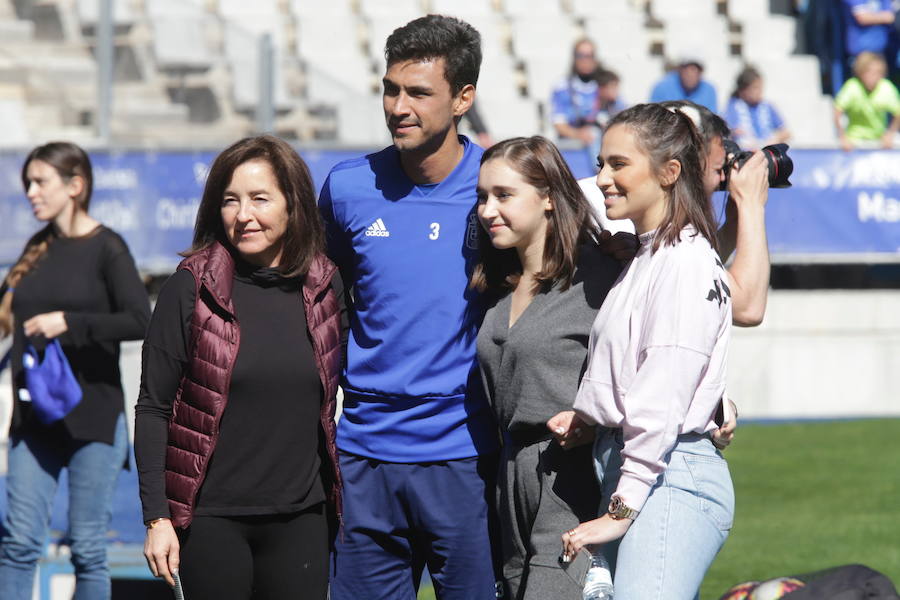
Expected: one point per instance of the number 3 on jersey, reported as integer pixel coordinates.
(435, 231)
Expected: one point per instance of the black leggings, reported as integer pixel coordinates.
(260, 557)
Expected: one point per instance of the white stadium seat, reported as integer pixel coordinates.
(89, 13)
(722, 72)
(498, 77)
(351, 73)
(242, 46)
(510, 117)
(682, 36)
(239, 9)
(175, 8)
(316, 8)
(622, 36)
(681, 9)
(743, 10)
(12, 124)
(466, 7)
(543, 75)
(607, 10)
(637, 75)
(793, 85)
(390, 8)
(177, 45)
(547, 37)
(531, 8)
(771, 37)
(329, 36)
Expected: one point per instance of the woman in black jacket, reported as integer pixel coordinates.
(75, 283)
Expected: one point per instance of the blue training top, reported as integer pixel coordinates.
(861, 38)
(407, 251)
(669, 88)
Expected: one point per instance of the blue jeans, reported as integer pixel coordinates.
(680, 529)
(35, 463)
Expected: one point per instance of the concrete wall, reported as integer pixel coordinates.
(820, 354)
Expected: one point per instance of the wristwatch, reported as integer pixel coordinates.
(618, 511)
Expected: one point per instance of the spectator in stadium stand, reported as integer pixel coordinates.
(546, 276)
(868, 26)
(417, 440)
(574, 102)
(235, 428)
(686, 83)
(868, 100)
(609, 104)
(754, 122)
(75, 283)
(660, 339)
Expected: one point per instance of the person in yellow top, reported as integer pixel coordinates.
(867, 99)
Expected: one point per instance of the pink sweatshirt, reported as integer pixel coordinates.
(657, 356)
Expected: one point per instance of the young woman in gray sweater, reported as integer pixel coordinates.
(541, 265)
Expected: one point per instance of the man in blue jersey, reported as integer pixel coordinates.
(416, 441)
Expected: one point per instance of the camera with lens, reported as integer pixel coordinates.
(780, 164)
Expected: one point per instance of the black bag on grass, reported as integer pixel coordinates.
(850, 582)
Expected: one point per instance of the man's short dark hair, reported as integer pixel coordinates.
(439, 36)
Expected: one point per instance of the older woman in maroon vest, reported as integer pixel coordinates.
(235, 420)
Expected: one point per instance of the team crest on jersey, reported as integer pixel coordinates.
(472, 233)
(378, 229)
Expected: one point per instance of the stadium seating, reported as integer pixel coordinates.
(664, 10)
(189, 69)
(333, 8)
(12, 123)
(532, 8)
(680, 37)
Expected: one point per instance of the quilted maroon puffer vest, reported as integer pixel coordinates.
(203, 392)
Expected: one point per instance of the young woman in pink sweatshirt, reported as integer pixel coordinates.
(656, 367)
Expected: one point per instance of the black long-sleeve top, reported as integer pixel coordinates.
(93, 280)
(268, 456)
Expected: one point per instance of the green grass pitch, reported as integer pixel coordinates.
(809, 496)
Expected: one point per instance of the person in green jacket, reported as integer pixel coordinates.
(867, 99)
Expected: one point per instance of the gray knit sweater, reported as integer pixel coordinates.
(531, 371)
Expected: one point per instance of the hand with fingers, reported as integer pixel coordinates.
(50, 325)
(622, 246)
(161, 549)
(569, 430)
(592, 533)
(749, 183)
(724, 435)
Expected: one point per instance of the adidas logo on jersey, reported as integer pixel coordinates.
(377, 229)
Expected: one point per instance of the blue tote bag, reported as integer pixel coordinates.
(51, 384)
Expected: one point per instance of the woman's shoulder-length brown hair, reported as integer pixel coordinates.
(304, 237)
(571, 222)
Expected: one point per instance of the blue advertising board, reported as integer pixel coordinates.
(844, 207)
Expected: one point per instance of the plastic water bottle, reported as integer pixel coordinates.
(598, 582)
